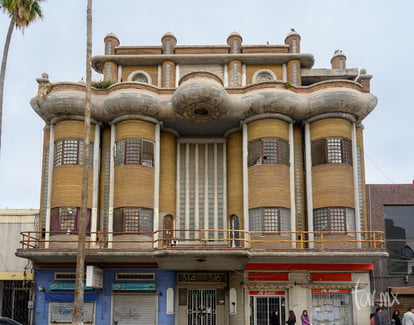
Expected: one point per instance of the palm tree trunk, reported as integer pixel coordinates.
(78, 304)
(3, 69)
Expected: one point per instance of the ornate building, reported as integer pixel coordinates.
(225, 182)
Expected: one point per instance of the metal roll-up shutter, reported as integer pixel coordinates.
(134, 309)
(61, 312)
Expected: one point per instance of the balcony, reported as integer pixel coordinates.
(206, 239)
(205, 249)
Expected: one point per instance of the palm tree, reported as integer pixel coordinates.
(22, 13)
(78, 303)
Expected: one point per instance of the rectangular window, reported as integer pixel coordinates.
(334, 219)
(268, 151)
(134, 151)
(70, 152)
(294, 46)
(109, 48)
(332, 306)
(202, 187)
(295, 74)
(399, 234)
(235, 75)
(133, 220)
(167, 75)
(167, 47)
(331, 151)
(66, 219)
(235, 47)
(269, 219)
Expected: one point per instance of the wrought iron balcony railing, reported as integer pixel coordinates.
(207, 239)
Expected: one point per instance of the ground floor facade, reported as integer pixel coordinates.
(333, 294)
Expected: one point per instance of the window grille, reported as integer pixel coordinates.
(268, 151)
(333, 150)
(134, 151)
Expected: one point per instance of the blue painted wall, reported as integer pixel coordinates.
(163, 279)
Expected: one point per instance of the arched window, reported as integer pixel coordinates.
(263, 76)
(235, 233)
(140, 76)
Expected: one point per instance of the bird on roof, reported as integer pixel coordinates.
(292, 30)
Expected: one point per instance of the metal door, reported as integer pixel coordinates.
(262, 307)
(201, 305)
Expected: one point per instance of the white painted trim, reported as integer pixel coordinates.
(226, 75)
(177, 75)
(156, 182)
(95, 186)
(309, 196)
(187, 191)
(284, 72)
(111, 187)
(159, 83)
(196, 189)
(119, 73)
(177, 189)
(292, 185)
(49, 183)
(245, 182)
(356, 189)
(225, 216)
(243, 75)
(215, 186)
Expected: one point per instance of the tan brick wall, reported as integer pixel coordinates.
(67, 186)
(235, 175)
(332, 185)
(72, 129)
(134, 186)
(336, 127)
(252, 69)
(168, 170)
(135, 129)
(269, 186)
(151, 70)
(268, 128)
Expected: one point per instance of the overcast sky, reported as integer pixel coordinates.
(373, 34)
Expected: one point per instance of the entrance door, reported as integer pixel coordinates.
(262, 308)
(201, 304)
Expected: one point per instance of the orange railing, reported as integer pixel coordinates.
(209, 239)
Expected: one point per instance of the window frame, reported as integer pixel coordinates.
(138, 226)
(134, 151)
(327, 219)
(63, 155)
(269, 219)
(259, 151)
(331, 150)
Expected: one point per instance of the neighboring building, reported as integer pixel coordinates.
(225, 182)
(16, 274)
(391, 209)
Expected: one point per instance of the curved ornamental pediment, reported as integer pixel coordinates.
(202, 98)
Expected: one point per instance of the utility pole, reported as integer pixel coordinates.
(78, 303)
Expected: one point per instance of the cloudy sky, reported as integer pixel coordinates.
(374, 34)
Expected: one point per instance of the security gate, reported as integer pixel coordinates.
(262, 307)
(201, 305)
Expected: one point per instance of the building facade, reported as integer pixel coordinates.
(225, 182)
(16, 274)
(391, 208)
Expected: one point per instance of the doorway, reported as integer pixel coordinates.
(202, 306)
